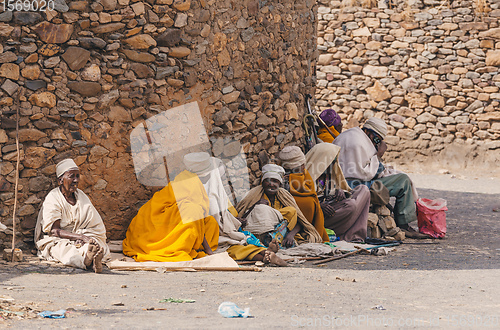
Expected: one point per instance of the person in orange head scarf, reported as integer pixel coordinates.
(300, 184)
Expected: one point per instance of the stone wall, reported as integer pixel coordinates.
(85, 74)
(431, 70)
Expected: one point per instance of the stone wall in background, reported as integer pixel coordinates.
(430, 70)
(86, 73)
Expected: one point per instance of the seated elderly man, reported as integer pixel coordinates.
(345, 210)
(254, 207)
(299, 183)
(69, 229)
(360, 159)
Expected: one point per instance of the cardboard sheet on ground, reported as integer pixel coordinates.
(220, 261)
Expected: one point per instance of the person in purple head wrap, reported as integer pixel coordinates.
(334, 123)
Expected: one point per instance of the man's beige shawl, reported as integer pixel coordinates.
(358, 157)
(309, 233)
(81, 218)
(319, 158)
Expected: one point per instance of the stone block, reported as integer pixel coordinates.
(372, 220)
(406, 134)
(44, 99)
(141, 41)
(493, 58)
(325, 59)
(378, 92)
(375, 71)
(490, 33)
(12, 256)
(76, 57)
(9, 71)
(437, 101)
(53, 33)
(389, 223)
(85, 88)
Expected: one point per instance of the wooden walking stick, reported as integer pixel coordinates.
(15, 254)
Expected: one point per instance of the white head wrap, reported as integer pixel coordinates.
(64, 166)
(377, 125)
(273, 171)
(199, 163)
(292, 157)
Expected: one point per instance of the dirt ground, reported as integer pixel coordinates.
(448, 283)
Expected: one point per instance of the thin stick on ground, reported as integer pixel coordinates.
(183, 269)
(17, 176)
(335, 258)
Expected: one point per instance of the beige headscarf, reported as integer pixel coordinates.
(273, 171)
(64, 166)
(377, 125)
(292, 157)
(199, 163)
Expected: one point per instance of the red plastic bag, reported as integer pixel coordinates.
(432, 217)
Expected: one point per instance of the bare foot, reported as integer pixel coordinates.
(271, 258)
(91, 252)
(98, 260)
(273, 246)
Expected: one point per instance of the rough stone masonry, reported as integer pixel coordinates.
(86, 73)
(429, 68)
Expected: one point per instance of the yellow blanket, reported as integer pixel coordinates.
(172, 224)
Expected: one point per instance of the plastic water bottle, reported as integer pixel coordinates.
(229, 309)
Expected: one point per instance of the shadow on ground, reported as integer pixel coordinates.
(33, 265)
(471, 241)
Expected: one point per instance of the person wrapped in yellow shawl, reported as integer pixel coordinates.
(174, 225)
(299, 183)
